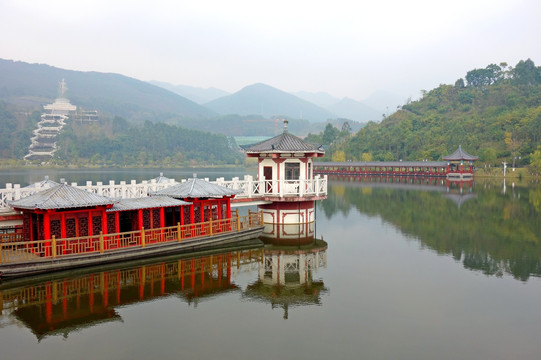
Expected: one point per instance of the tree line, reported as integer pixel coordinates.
(120, 143)
(494, 113)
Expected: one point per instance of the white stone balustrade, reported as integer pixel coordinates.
(252, 189)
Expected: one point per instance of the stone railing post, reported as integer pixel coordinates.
(112, 190)
(17, 189)
(123, 189)
(248, 190)
(132, 189)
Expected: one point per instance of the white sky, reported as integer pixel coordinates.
(343, 47)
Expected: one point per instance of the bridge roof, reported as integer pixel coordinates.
(384, 163)
(196, 188)
(284, 142)
(61, 196)
(460, 154)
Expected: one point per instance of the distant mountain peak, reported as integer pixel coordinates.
(265, 100)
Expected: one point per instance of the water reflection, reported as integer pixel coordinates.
(63, 304)
(67, 302)
(285, 277)
(485, 226)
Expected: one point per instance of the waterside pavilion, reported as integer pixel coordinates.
(286, 174)
(460, 164)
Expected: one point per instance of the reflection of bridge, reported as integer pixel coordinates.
(458, 191)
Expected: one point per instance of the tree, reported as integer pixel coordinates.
(535, 161)
(339, 156)
(526, 73)
(366, 156)
(488, 156)
(330, 134)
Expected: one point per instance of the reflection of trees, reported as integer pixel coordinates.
(494, 232)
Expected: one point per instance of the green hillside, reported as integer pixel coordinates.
(33, 85)
(494, 113)
(117, 143)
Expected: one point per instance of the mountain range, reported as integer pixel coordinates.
(33, 85)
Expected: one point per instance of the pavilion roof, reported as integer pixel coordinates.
(163, 180)
(45, 183)
(460, 154)
(61, 196)
(146, 203)
(284, 142)
(196, 188)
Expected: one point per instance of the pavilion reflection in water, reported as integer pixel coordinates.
(63, 304)
(285, 277)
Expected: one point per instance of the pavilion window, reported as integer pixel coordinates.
(293, 171)
(156, 218)
(111, 223)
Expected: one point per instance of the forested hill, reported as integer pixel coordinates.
(153, 144)
(37, 84)
(494, 113)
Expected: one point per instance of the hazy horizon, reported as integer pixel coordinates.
(341, 48)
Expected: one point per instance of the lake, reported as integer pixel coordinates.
(401, 269)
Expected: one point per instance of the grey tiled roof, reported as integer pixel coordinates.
(147, 203)
(45, 183)
(196, 188)
(284, 142)
(460, 154)
(61, 196)
(383, 163)
(162, 179)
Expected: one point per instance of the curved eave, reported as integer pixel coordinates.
(277, 153)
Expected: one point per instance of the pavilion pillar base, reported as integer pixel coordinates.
(288, 223)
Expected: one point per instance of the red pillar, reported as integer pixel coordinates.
(181, 220)
(47, 234)
(140, 218)
(63, 231)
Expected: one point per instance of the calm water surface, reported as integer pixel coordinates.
(404, 271)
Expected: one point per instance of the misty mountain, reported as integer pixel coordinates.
(261, 99)
(384, 102)
(33, 85)
(195, 94)
(355, 110)
(323, 99)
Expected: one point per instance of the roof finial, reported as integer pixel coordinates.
(285, 125)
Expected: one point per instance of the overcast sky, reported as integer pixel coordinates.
(347, 48)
